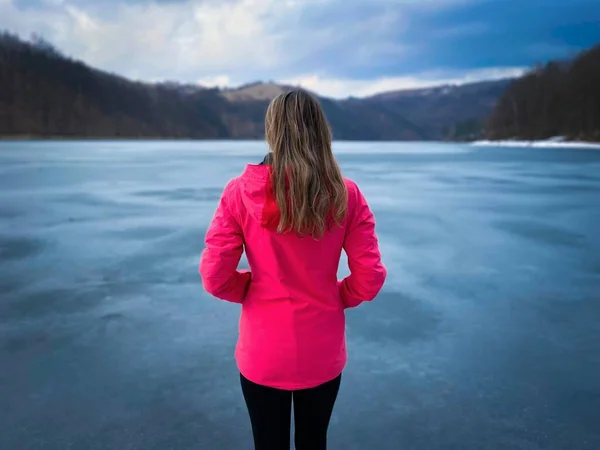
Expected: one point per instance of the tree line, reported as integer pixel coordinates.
(560, 98)
(43, 93)
(46, 94)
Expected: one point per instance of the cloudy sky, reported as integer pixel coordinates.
(333, 47)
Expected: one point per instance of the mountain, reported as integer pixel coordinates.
(446, 112)
(256, 91)
(440, 112)
(561, 98)
(45, 94)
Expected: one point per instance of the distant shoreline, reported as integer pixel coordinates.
(116, 138)
(549, 143)
(152, 138)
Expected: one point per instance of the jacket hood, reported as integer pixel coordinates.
(257, 195)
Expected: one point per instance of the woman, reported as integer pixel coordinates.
(292, 214)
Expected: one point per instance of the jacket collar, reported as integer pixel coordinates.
(268, 159)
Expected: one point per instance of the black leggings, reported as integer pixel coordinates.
(270, 415)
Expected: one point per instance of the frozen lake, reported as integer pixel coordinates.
(486, 335)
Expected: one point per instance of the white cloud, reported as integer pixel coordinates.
(342, 88)
(192, 39)
(219, 81)
(227, 42)
(152, 40)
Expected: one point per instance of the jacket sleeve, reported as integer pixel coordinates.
(367, 272)
(224, 244)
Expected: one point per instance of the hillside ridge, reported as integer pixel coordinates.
(44, 93)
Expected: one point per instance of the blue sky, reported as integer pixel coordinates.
(334, 47)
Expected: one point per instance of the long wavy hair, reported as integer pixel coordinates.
(306, 178)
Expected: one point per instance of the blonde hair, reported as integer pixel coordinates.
(306, 178)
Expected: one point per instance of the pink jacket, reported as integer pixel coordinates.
(292, 325)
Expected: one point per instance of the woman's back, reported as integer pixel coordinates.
(292, 322)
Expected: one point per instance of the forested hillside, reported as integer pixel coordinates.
(43, 93)
(561, 98)
(446, 112)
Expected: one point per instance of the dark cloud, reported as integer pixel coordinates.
(469, 35)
